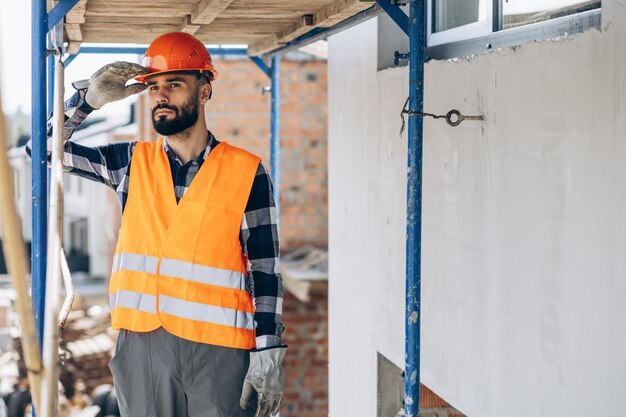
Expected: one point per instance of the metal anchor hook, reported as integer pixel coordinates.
(453, 117)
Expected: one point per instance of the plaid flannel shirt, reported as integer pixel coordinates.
(110, 165)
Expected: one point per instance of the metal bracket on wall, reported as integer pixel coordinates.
(397, 56)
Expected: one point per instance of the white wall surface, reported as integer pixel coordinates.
(524, 231)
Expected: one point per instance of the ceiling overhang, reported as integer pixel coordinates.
(261, 24)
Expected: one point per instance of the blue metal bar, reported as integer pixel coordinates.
(275, 132)
(69, 59)
(39, 164)
(140, 50)
(59, 11)
(262, 65)
(396, 14)
(417, 19)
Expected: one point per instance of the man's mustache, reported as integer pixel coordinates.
(164, 106)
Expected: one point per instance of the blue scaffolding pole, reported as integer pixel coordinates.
(275, 132)
(417, 19)
(414, 27)
(42, 22)
(39, 166)
(273, 73)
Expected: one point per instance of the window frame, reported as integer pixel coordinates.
(502, 38)
(472, 30)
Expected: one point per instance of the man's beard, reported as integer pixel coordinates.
(184, 117)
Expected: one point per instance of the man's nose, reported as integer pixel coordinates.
(160, 98)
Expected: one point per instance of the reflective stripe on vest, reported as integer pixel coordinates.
(205, 313)
(133, 300)
(181, 308)
(135, 262)
(202, 274)
(181, 266)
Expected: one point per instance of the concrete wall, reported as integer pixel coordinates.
(524, 231)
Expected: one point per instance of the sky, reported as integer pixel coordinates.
(15, 60)
(14, 49)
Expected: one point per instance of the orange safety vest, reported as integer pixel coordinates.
(181, 266)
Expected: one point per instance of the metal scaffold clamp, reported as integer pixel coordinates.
(397, 56)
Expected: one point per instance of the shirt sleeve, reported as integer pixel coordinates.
(106, 164)
(259, 238)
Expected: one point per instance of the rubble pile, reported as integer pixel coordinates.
(85, 350)
(86, 347)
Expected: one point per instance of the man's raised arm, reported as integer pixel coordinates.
(106, 85)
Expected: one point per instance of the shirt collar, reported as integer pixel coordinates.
(201, 156)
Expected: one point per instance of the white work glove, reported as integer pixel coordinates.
(266, 377)
(109, 83)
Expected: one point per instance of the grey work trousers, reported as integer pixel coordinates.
(157, 374)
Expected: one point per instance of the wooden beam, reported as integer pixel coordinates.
(188, 27)
(124, 33)
(145, 10)
(327, 16)
(74, 33)
(206, 11)
(73, 47)
(339, 11)
(263, 45)
(302, 26)
(73, 21)
(77, 14)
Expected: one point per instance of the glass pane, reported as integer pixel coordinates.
(522, 12)
(449, 14)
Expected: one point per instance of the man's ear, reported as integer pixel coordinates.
(206, 90)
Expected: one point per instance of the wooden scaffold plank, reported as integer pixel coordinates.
(203, 13)
(327, 16)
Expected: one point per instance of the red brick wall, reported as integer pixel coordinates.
(306, 362)
(433, 406)
(240, 114)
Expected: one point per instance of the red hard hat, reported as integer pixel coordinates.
(176, 51)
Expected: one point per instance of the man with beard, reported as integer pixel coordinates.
(195, 290)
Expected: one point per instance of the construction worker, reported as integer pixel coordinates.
(195, 289)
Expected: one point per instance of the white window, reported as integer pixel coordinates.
(455, 20)
(459, 27)
(517, 13)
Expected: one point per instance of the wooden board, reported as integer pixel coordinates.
(264, 25)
